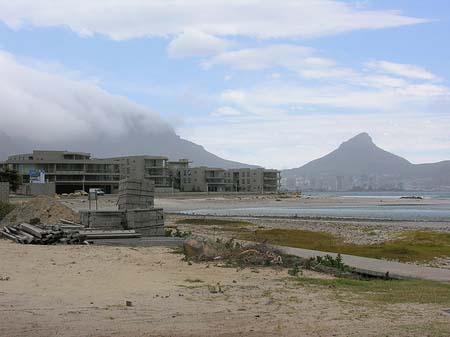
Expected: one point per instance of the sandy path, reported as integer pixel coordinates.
(81, 291)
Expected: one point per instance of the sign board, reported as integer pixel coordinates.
(37, 176)
(92, 194)
(93, 197)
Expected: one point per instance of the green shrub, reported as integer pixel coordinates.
(5, 209)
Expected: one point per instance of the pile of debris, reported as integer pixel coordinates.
(48, 210)
(237, 255)
(66, 232)
(43, 235)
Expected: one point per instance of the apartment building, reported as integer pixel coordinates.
(206, 179)
(257, 180)
(203, 179)
(175, 169)
(72, 171)
(145, 167)
(69, 171)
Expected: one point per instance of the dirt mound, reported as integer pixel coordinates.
(47, 210)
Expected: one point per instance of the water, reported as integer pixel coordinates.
(383, 194)
(406, 213)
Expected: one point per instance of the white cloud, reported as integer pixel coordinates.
(416, 96)
(403, 70)
(299, 59)
(286, 140)
(124, 19)
(405, 86)
(48, 107)
(195, 43)
(226, 111)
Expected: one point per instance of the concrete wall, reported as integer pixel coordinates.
(148, 222)
(4, 192)
(48, 189)
(105, 220)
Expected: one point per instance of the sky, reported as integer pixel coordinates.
(272, 83)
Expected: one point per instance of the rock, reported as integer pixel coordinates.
(199, 249)
(192, 248)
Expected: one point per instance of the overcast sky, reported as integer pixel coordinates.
(274, 83)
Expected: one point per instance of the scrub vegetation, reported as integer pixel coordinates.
(409, 246)
(421, 246)
(5, 209)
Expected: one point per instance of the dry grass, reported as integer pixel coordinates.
(383, 291)
(411, 246)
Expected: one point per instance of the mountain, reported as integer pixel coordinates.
(164, 143)
(360, 164)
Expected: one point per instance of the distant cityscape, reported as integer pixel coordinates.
(362, 183)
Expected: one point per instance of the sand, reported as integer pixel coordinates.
(82, 291)
(48, 210)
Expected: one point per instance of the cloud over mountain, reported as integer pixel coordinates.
(47, 111)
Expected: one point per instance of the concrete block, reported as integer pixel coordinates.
(136, 194)
(4, 192)
(106, 220)
(148, 222)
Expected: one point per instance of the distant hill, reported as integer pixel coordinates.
(360, 161)
(164, 143)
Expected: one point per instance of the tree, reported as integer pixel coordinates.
(10, 176)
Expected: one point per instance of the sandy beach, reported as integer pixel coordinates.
(82, 291)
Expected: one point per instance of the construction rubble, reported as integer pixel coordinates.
(45, 220)
(48, 210)
(66, 232)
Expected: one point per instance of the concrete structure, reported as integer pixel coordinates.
(136, 194)
(4, 192)
(148, 222)
(135, 210)
(206, 179)
(104, 220)
(48, 189)
(68, 170)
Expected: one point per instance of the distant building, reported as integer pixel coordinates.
(145, 167)
(207, 179)
(72, 171)
(69, 171)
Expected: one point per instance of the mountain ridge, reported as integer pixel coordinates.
(361, 157)
(165, 143)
